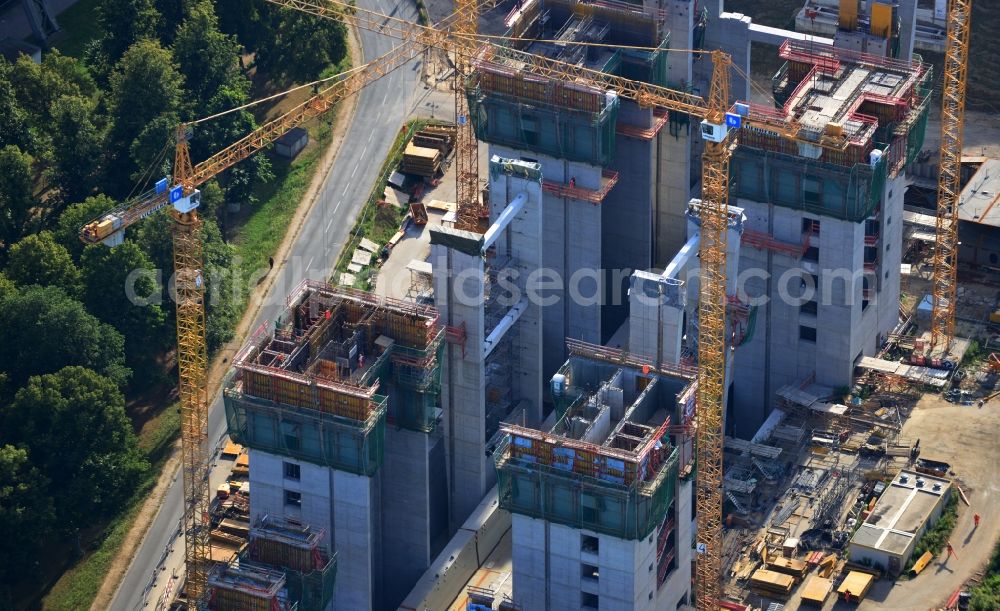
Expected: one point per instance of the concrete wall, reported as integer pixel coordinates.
(459, 277)
(463, 555)
(776, 356)
(406, 509)
(344, 505)
(571, 240)
(627, 216)
(524, 244)
(551, 569)
(673, 179)
(463, 377)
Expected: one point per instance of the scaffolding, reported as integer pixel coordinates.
(315, 386)
(551, 492)
(565, 119)
(298, 550)
(612, 460)
(867, 116)
(245, 586)
(850, 193)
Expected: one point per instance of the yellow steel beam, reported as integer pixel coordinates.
(945, 260)
(712, 345)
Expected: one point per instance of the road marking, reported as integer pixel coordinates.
(385, 97)
(355, 169)
(308, 265)
(363, 151)
(346, 187)
(327, 230)
(370, 134)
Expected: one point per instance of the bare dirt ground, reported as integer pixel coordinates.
(219, 365)
(964, 436)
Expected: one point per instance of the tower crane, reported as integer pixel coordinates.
(183, 196)
(945, 278)
(715, 117)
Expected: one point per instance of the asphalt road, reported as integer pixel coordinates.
(381, 110)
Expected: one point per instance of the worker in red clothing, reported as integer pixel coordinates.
(975, 520)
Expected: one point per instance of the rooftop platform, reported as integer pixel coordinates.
(848, 103)
(313, 384)
(612, 439)
(980, 200)
(902, 513)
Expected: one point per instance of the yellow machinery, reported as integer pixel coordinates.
(467, 50)
(945, 279)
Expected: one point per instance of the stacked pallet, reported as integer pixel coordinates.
(789, 566)
(772, 582)
(420, 160)
(424, 154)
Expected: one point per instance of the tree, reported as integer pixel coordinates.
(38, 86)
(223, 297)
(77, 147)
(26, 514)
(208, 59)
(67, 230)
(74, 426)
(45, 330)
(300, 47)
(120, 288)
(17, 198)
(124, 23)
(145, 104)
(6, 286)
(13, 119)
(248, 20)
(39, 259)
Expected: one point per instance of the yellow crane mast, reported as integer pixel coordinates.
(190, 288)
(471, 214)
(184, 198)
(945, 280)
(712, 340)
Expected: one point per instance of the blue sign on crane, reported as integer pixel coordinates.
(733, 120)
(176, 193)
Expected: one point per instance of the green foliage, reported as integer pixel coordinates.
(124, 23)
(26, 513)
(121, 289)
(40, 259)
(74, 426)
(144, 101)
(13, 119)
(45, 330)
(247, 20)
(77, 148)
(974, 353)
(67, 229)
(257, 239)
(936, 538)
(300, 46)
(16, 193)
(6, 285)
(38, 86)
(223, 304)
(208, 58)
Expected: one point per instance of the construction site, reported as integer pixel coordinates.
(725, 399)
